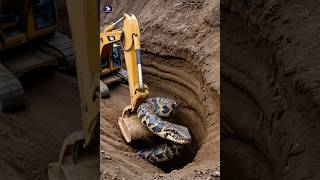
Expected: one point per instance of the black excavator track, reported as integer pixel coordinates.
(63, 50)
(11, 90)
(51, 51)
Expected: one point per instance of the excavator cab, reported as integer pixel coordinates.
(35, 23)
(24, 20)
(112, 68)
(44, 14)
(112, 60)
(116, 58)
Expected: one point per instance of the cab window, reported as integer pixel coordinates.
(44, 13)
(116, 57)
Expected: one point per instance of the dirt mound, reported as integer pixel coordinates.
(270, 84)
(180, 41)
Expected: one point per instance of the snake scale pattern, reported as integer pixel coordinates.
(150, 114)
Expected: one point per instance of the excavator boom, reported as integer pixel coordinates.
(83, 161)
(132, 52)
(129, 37)
(84, 35)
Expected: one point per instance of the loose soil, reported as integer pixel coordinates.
(180, 43)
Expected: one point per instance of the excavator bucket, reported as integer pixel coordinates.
(75, 162)
(131, 127)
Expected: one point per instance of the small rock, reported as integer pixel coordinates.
(108, 157)
(216, 174)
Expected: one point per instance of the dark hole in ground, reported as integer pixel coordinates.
(178, 162)
(186, 116)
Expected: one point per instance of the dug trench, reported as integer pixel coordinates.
(197, 110)
(270, 90)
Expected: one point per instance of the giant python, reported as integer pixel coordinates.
(150, 114)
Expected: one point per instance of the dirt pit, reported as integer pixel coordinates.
(167, 77)
(270, 85)
(199, 158)
(180, 44)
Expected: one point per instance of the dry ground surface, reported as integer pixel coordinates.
(180, 43)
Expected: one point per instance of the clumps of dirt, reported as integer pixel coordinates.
(180, 59)
(190, 4)
(270, 84)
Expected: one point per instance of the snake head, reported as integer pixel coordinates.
(178, 134)
(147, 155)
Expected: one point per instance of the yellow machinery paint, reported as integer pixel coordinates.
(84, 23)
(129, 37)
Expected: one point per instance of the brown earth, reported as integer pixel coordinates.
(180, 42)
(270, 90)
(32, 137)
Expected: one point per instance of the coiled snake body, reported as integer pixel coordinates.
(150, 114)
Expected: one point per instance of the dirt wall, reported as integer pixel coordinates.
(270, 99)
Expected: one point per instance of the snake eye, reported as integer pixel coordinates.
(175, 131)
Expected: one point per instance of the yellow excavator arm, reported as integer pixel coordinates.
(129, 35)
(83, 17)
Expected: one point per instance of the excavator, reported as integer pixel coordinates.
(79, 155)
(30, 26)
(128, 36)
(112, 65)
(29, 40)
